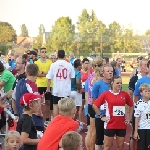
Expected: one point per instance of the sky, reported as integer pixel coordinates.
(130, 13)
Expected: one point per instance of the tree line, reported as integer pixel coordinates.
(87, 35)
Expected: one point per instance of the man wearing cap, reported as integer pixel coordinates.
(93, 56)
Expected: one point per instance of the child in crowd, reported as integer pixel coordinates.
(142, 119)
(12, 140)
(25, 126)
(72, 141)
(59, 125)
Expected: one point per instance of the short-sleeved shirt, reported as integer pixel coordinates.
(9, 80)
(25, 124)
(142, 111)
(73, 81)
(115, 108)
(61, 73)
(88, 87)
(98, 88)
(143, 80)
(54, 132)
(43, 67)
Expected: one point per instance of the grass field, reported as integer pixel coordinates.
(125, 83)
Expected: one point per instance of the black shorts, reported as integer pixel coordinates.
(113, 132)
(42, 90)
(83, 95)
(99, 124)
(88, 120)
(144, 141)
(133, 123)
(48, 96)
(56, 99)
(91, 111)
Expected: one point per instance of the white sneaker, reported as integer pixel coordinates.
(80, 128)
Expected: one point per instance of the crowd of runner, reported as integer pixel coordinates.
(69, 90)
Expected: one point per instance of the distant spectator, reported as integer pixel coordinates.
(114, 65)
(72, 57)
(105, 60)
(93, 56)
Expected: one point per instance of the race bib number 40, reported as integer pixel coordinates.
(118, 110)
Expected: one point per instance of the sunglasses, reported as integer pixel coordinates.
(43, 52)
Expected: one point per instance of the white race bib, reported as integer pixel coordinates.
(83, 85)
(118, 110)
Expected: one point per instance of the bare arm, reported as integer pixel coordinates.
(48, 84)
(96, 109)
(136, 98)
(26, 140)
(78, 84)
(131, 94)
(130, 112)
(86, 97)
(14, 106)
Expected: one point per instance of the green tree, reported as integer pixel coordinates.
(38, 41)
(41, 30)
(24, 31)
(147, 33)
(62, 35)
(7, 32)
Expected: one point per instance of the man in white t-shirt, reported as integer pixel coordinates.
(61, 72)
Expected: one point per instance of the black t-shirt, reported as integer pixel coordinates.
(21, 76)
(25, 124)
(132, 82)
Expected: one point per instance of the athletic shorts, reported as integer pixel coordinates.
(99, 124)
(48, 96)
(113, 132)
(56, 99)
(83, 95)
(42, 90)
(133, 123)
(144, 141)
(88, 120)
(91, 111)
(77, 97)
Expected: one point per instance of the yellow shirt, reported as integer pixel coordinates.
(43, 67)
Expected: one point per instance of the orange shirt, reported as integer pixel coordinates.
(54, 132)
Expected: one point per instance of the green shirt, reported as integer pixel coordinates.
(9, 80)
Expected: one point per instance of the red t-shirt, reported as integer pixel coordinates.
(115, 108)
(54, 132)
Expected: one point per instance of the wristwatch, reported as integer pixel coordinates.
(100, 116)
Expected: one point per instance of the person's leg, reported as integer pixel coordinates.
(81, 109)
(55, 106)
(132, 141)
(141, 143)
(108, 138)
(120, 136)
(147, 139)
(88, 133)
(42, 90)
(47, 103)
(99, 134)
(51, 107)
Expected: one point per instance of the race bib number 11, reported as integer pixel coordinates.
(118, 110)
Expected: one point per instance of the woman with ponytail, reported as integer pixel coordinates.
(94, 77)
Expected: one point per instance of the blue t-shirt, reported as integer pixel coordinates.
(12, 64)
(72, 61)
(98, 88)
(73, 81)
(86, 86)
(118, 72)
(143, 80)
